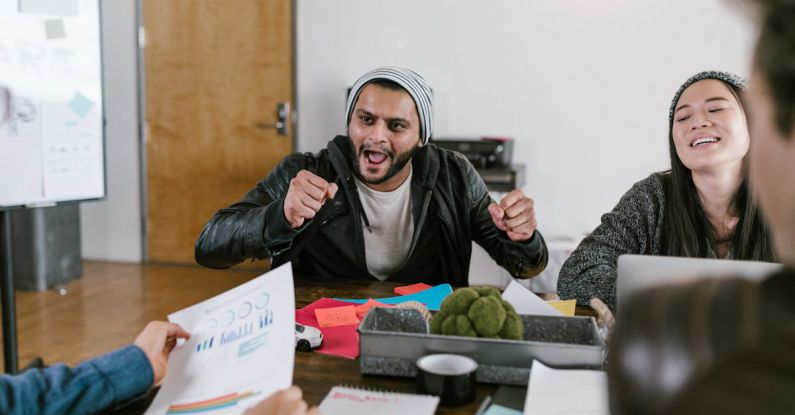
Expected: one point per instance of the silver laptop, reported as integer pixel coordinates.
(637, 272)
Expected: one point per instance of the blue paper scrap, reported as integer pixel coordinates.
(432, 297)
(80, 105)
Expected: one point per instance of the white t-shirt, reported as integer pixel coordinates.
(392, 226)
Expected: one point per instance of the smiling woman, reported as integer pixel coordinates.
(701, 207)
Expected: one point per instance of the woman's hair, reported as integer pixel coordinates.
(686, 230)
(775, 58)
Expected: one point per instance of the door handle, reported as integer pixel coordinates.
(281, 125)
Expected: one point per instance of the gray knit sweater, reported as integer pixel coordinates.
(633, 227)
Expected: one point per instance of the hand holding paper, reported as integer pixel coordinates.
(157, 340)
(289, 401)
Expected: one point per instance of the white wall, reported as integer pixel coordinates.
(583, 86)
(111, 229)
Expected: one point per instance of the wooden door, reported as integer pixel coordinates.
(214, 71)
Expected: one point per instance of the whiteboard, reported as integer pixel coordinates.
(52, 144)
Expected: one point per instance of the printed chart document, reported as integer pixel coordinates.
(564, 391)
(241, 349)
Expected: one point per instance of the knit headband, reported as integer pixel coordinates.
(409, 80)
(735, 80)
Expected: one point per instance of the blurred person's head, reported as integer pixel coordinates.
(771, 102)
(705, 346)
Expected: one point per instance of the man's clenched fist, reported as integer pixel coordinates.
(305, 197)
(515, 215)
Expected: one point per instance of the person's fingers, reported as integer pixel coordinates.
(304, 212)
(519, 208)
(293, 392)
(313, 179)
(313, 411)
(175, 330)
(299, 407)
(511, 198)
(315, 186)
(497, 215)
(517, 221)
(305, 187)
(310, 202)
(332, 190)
(525, 227)
(605, 316)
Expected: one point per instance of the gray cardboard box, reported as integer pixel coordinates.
(391, 340)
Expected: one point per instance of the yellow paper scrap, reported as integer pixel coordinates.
(565, 307)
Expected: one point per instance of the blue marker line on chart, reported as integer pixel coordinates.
(206, 344)
(266, 319)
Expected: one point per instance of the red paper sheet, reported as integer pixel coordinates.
(411, 289)
(337, 341)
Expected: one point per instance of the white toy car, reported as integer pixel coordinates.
(307, 338)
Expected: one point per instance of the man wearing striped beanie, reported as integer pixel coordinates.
(381, 202)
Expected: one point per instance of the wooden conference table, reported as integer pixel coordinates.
(317, 373)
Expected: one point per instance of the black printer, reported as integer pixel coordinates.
(491, 157)
(483, 153)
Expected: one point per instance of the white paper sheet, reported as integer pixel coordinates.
(557, 392)
(353, 401)
(242, 348)
(525, 302)
(51, 7)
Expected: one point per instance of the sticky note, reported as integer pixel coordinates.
(361, 310)
(566, 307)
(52, 7)
(336, 316)
(80, 105)
(411, 289)
(54, 29)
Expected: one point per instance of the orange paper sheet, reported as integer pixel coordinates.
(361, 310)
(411, 289)
(566, 307)
(336, 316)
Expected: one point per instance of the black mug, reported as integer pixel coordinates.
(451, 377)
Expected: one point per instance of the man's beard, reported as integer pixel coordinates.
(397, 163)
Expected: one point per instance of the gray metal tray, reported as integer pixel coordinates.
(391, 340)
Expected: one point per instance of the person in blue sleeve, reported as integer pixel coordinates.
(107, 381)
(97, 384)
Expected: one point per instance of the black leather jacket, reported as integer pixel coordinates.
(449, 208)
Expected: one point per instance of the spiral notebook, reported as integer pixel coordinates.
(344, 400)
